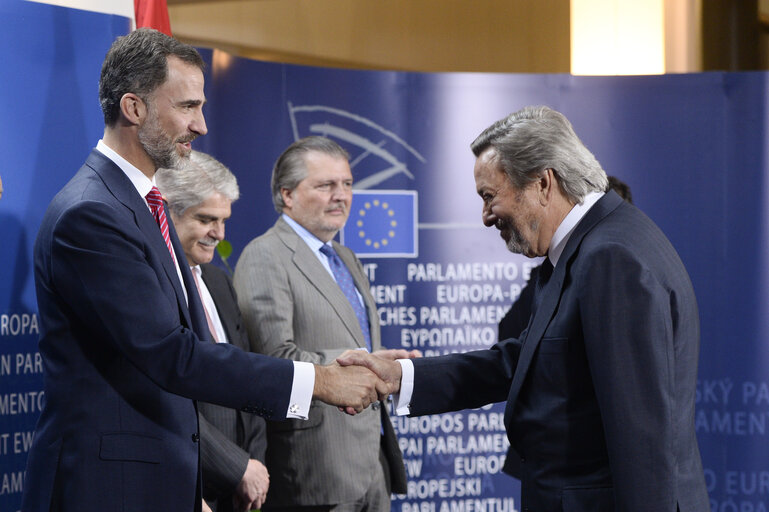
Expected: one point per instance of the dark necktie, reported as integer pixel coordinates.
(543, 276)
(155, 202)
(345, 282)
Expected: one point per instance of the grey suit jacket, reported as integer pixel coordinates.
(229, 438)
(294, 309)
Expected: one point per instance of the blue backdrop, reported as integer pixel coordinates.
(692, 147)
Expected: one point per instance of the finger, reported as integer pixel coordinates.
(391, 354)
(415, 353)
(357, 357)
(347, 352)
(382, 389)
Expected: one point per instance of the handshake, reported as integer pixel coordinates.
(356, 379)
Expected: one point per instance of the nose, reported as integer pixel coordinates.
(217, 231)
(340, 193)
(489, 219)
(198, 124)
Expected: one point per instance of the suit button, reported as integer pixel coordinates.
(195, 437)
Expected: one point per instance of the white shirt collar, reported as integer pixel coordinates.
(565, 229)
(140, 181)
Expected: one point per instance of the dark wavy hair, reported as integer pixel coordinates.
(137, 63)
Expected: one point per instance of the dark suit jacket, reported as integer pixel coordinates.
(511, 326)
(228, 437)
(600, 401)
(119, 430)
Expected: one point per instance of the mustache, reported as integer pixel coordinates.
(337, 205)
(210, 242)
(187, 138)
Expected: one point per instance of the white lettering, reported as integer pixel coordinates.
(388, 294)
(22, 403)
(440, 272)
(18, 324)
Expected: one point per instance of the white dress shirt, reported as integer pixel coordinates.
(208, 303)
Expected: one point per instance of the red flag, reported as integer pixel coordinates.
(152, 14)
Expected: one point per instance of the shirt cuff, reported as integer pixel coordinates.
(402, 400)
(301, 390)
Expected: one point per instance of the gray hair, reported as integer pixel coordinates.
(537, 138)
(197, 180)
(290, 169)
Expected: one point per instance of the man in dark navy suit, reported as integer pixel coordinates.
(517, 319)
(124, 340)
(600, 387)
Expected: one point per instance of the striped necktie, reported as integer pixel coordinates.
(155, 201)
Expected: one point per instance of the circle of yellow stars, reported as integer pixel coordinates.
(368, 205)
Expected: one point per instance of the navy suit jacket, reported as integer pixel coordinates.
(600, 389)
(123, 364)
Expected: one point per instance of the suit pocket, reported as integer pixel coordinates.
(553, 345)
(130, 447)
(595, 499)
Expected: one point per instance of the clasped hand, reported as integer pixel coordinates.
(357, 379)
(382, 363)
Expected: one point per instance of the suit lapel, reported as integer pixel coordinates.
(308, 264)
(217, 287)
(553, 291)
(192, 310)
(125, 192)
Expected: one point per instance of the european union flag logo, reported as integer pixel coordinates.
(382, 224)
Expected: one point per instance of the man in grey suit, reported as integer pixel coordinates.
(306, 298)
(233, 443)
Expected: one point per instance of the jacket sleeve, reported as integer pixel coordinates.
(626, 317)
(222, 461)
(111, 276)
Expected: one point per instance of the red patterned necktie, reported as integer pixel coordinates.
(155, 201)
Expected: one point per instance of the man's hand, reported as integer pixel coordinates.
(395, 353)
(252, 489)
(206, 508)
(353, 388)
(381, 363)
